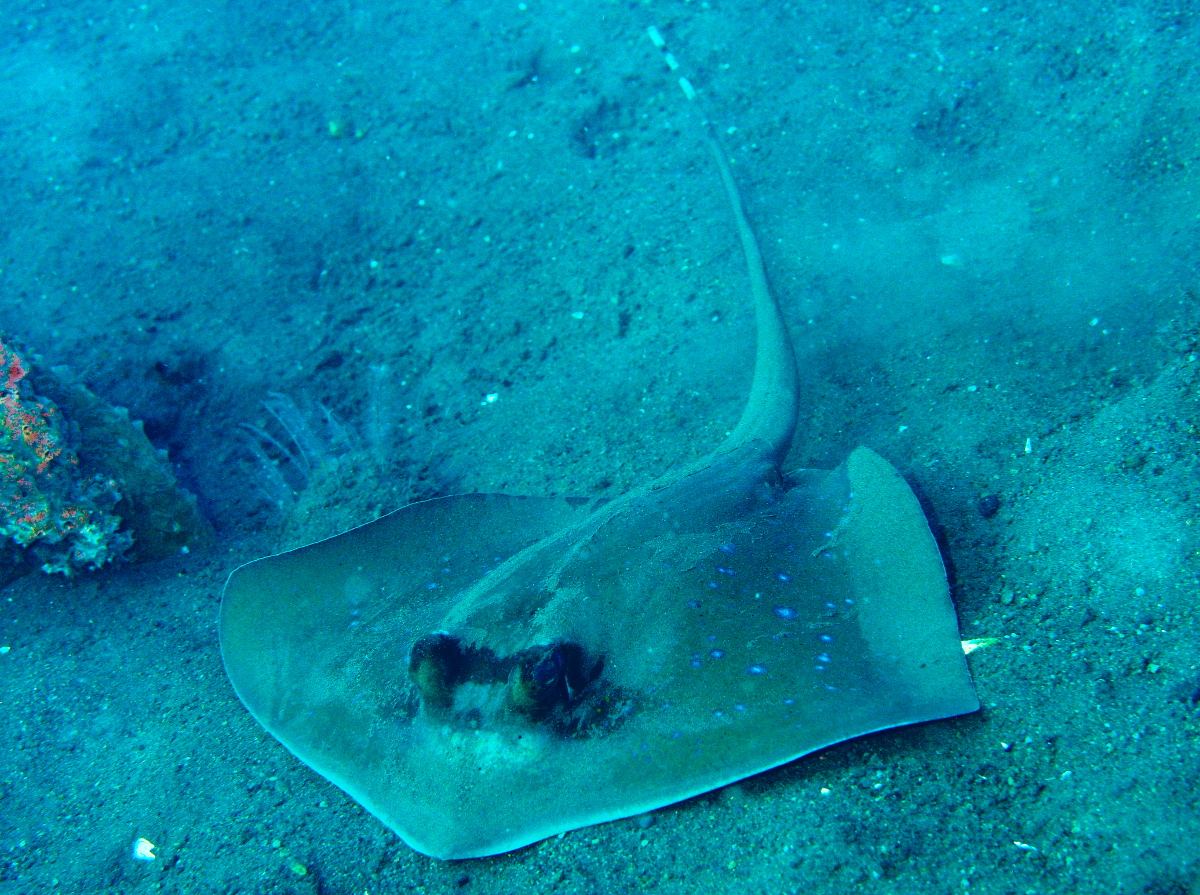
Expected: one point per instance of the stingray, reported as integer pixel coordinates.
(483, 671)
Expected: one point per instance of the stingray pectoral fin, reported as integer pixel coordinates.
(904, 607)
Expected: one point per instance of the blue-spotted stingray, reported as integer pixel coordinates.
(484, 671)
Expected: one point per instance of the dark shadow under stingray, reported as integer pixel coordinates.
(484, 671)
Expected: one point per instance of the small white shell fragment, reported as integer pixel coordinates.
(969, 646)
(143, 850)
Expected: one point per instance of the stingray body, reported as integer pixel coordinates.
(483, 671)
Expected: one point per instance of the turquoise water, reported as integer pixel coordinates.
(490, 241)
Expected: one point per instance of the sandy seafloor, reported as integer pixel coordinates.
(982, 219)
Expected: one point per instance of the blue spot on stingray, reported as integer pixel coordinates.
(721, 570)
(738, 707)
(693, 604)
(718, 654)
(695, 661)
(757, 669)
(827, 638)
(727, 548)
(786, 612)
(784, 577)
(824, 657)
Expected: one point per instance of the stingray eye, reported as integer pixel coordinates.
(545, 679)
(440, 663)
(536, 686)
(549, 670)
(435, 665)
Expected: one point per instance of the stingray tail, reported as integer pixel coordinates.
(773, 408)
(769, 420)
